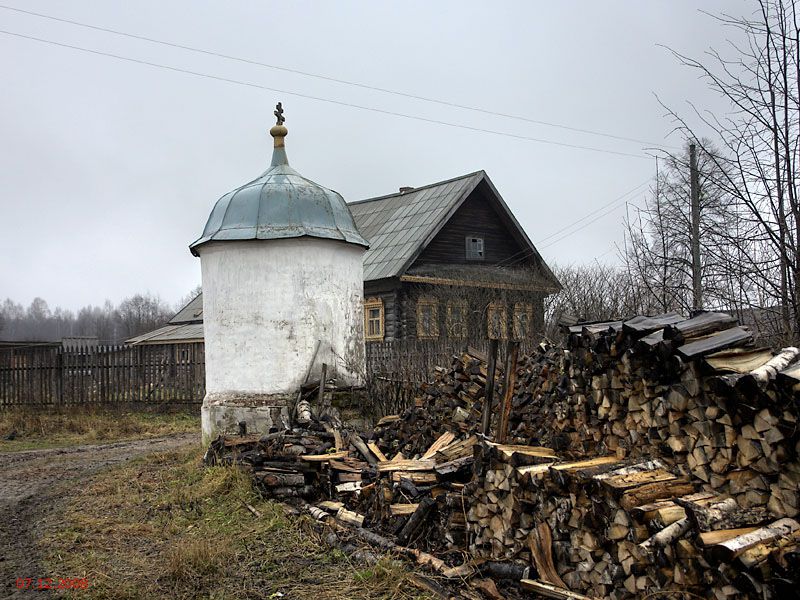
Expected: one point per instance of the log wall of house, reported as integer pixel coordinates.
(405, 315)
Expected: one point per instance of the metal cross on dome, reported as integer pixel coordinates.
(279, 114)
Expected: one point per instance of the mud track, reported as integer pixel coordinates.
(35, 483)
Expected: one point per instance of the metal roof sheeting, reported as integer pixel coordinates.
(279, 204)
(399, 224)
(191, 313)
(170, 334)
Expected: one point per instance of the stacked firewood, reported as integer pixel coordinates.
(617, 528)
(651, 454)
(451, 402)
(724, 417)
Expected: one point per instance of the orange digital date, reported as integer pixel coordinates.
(48, 583)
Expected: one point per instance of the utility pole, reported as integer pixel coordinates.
(694, 178)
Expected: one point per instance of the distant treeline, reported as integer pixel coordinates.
(109, 323)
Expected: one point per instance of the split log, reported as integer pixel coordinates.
(726, 514)
(730, 549)
(775, 365)
(443, 441)
(359, 445)
(416, 520)
(377, 452)
(540, 542)
(277, 479)
(667, 535)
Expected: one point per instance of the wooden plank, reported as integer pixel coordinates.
(415, 477)
(406, 465)
(738, 360)
(324, 457)
(583, 464)
(402, 509)
(551, 591)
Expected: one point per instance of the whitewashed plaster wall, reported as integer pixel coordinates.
(266, 304)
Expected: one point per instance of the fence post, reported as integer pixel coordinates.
(508, 391)
(488, 394)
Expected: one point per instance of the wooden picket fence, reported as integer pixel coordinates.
(53, 375)
(395, 369)
(175, 373)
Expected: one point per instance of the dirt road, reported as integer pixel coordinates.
(33, 483)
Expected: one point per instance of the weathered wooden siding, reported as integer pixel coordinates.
(166, 373)
(476, 217)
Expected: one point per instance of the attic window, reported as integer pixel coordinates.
(474, 248)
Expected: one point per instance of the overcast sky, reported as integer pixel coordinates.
(109, 168)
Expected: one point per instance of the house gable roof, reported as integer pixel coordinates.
(401, 225)
(191, 313)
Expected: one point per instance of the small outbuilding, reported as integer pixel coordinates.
(282, 270)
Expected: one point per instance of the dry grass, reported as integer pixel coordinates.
(87, 425)
(165, 527)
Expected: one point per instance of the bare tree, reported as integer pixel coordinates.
(758, 160)
(110, 324)
(658, 237)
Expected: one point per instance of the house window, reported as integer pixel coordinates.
(523, 320)
(427, 318)
(457, 313)
(474, 248)
(373, 319)
(496, 324)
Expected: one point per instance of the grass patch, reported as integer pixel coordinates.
(165, 527)
(31, 429)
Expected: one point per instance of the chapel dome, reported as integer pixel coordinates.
(280, 204)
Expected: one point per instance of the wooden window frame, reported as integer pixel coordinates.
(460, 306)
(523, 308)
(372, 304)
(468, 250)
(497, 306)
(433, 303)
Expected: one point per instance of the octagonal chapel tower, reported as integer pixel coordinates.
(281, 262)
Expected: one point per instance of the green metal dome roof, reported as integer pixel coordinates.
(280, 204)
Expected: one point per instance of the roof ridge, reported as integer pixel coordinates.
(416, 189)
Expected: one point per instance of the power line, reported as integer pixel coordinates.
(319, 98)
(526, 252)
(332, 79)
(582, 227)
(594, 212)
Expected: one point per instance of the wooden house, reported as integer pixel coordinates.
(446, 261)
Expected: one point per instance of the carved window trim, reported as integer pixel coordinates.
(377, 320)
(496, 321)
(427, 330)
(457, 318)
(523, 320)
